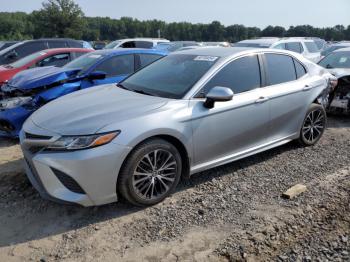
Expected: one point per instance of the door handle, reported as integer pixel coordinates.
(307, 87)
(261, 100)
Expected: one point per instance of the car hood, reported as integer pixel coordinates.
(41, 76)
(87, 111)
(339, 72)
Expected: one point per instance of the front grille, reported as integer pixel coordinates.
(68, 182)
(33, 136)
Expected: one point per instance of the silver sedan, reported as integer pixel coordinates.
(185, 113)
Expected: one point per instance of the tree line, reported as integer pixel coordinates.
(64, 18)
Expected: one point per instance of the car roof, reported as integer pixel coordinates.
(129, 51)
(58, 50)
(346, 49)
(216, 51)
(267, 41)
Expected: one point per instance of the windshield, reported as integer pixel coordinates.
(84, 62)
(311, 47)
(27, 59)
(112, 45)
(257, 45)
(336, 60)
(171, 77)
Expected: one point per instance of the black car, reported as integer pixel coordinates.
(22, 49)
(6, 44)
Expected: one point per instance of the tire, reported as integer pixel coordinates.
(142, 181)
(313, 126)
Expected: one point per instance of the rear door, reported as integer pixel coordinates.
(287, 89)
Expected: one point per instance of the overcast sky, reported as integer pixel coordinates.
(258, 13)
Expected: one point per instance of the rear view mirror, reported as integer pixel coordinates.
(218, 94)
(97, 75)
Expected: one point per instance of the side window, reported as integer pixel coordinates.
(57, 44)
(75, 44)
(240, 75)
(129, 44)
(299, 69)
(281, 46)
(295, 47)
(144, 44)
(280, 68)
(29, 48)
(55, 60)
(117, 65)
(146, 59)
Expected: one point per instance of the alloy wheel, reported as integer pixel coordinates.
(314, 125)
(154, 174)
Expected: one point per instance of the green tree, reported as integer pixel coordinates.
(58, 18)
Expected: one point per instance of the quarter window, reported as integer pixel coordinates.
(299, 69)
(280, 46)
(144, 44)
(240, 75)
(117, 65)
(280, 68)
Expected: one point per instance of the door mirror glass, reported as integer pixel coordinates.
(218, 94)
(97, 75)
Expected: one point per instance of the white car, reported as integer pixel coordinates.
(136, 43)
(304, 46)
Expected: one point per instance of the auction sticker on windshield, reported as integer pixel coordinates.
(206, 58)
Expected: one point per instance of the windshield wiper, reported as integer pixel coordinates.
(142, 92)
(123, 87)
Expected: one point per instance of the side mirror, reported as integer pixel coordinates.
(97, 75)
(218, 94)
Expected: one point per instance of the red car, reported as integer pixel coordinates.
(49, 57)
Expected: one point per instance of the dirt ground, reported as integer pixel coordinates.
(230, 213)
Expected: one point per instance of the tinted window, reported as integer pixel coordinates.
(27, 59)
(85, 62)
(77, 44)
(295, 47)
(311, 47)
(57, 44)
(117, 65)
(280, 46)
(146, 59)
(162, 77)
(129, 44)
(29, 48)
(299, 69)
(143, 44)
(240, 75)
(280, 68)
(55, 60)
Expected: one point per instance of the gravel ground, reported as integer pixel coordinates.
(230, 213)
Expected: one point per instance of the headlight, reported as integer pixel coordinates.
(14, 102)
(83, 142)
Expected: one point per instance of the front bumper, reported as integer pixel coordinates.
(94, 170)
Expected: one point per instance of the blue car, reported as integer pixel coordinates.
(29, 90)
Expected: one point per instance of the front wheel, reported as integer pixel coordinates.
(150, 173)
(313, 126)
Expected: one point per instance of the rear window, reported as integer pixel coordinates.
(280, 69)
(336, 60)
(311, 47)
(146, 59)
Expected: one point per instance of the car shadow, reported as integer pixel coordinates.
(25, 216)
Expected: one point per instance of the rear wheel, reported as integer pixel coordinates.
(313, 126)
(150, 173)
